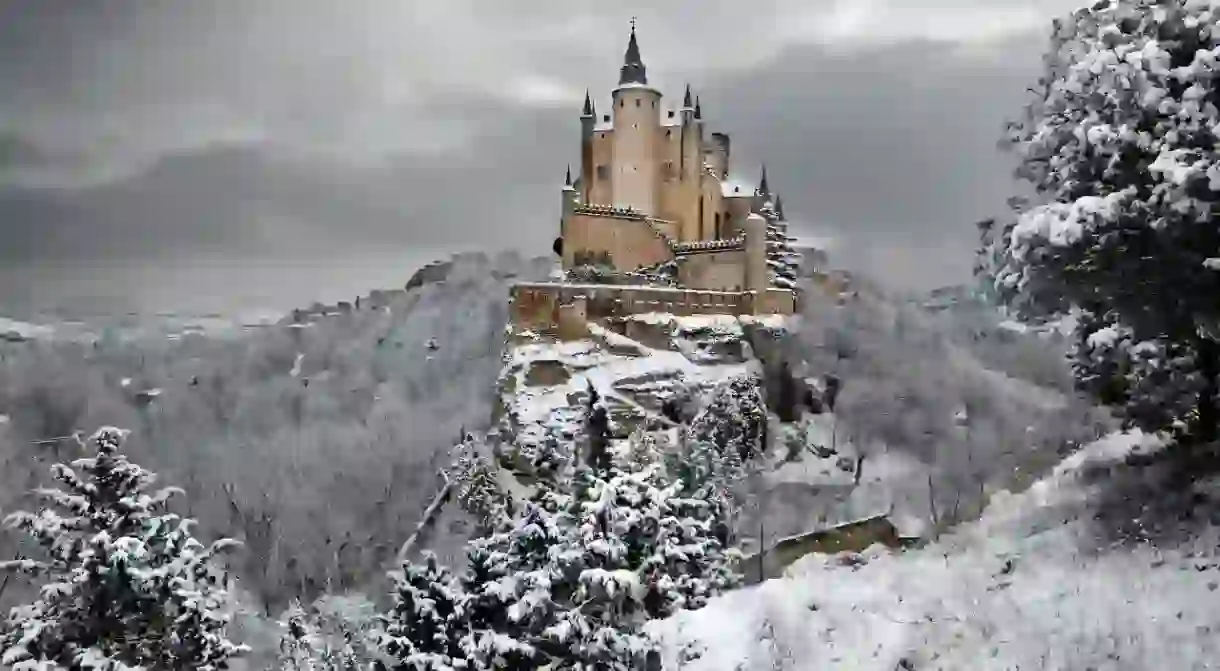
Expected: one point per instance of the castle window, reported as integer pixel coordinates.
(637, 102)
(603, 172)
(622, 103)
(668, 132)
(671, 114)
(605, 117)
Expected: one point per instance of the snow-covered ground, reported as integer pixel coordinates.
(1028, 586)
(545, 381)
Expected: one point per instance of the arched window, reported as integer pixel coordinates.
(716, 230)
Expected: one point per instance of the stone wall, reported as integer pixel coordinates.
(850, 537)
(537, 306)
(631, 240)
(719, 270)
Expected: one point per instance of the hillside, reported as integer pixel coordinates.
(1065, 575)
(316, 444)
(316, 440)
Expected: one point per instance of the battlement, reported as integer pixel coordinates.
(709, 245)
(610, 211)
(543, 306)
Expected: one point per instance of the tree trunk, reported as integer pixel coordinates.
(1209, 368)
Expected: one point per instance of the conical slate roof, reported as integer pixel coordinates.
(633, 71)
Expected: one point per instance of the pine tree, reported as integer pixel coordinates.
(326, 638)
(300, 647)
(1120, 145)
(597, 431)
(734, 419)
(424, 628)
(125, 582)
(478, 490)
(515, 587)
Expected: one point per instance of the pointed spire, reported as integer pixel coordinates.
(779, 207)
(567, 178)
(698, 109)
(762, 182)
(588, 110)
(686, 103)
(633, 71)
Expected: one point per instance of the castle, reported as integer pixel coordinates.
(653, 197)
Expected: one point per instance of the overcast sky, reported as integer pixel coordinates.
(134, 131)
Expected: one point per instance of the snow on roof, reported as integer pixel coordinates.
(637, 85)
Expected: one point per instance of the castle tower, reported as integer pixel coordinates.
(757, 274)
(691, 170)
(588, 119)
(570, 195)
(637, 123)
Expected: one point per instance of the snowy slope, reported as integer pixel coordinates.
(544, 384)
(1027, 586)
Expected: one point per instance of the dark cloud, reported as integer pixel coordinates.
(220, 130)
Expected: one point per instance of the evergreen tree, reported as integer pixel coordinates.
(324, 638)
(424, 628)
(597, 431)
(1120, 146)
(478, 490)
(301, 649)
(516, 590)
(734, 419)
(125, 582)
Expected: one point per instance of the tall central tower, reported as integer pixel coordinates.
(637, 124)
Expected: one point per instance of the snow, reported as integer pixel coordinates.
(1021, 588)
(24, 329)
(612, 364)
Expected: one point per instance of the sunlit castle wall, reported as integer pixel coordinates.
(637, 123)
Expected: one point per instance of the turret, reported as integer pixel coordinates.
(763, 189)
(570, 196)
(637, 123)
(757, 274)
(719, 155)
(588, 120)
(690, 192)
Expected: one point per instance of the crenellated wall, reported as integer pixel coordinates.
(552, 306)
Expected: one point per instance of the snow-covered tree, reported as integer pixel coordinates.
(517, 588)
(478, 491)
(597, 431)
(424, 628)
(783, 261)
(735, 418)
(301, 649)
(124, 582)
(1120, 147)
(331, 635)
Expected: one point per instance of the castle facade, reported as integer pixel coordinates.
(653, 199)
(654, 188)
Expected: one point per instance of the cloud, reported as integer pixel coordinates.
(290, 126)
